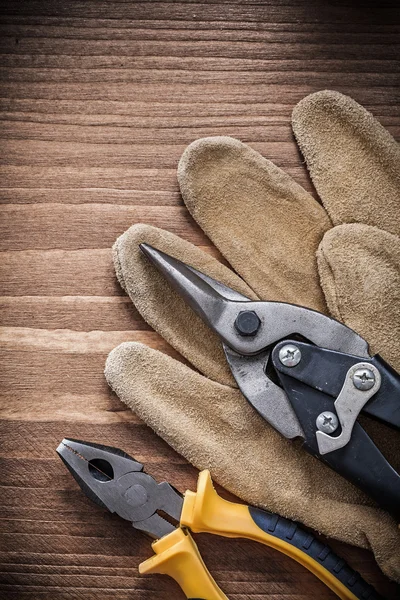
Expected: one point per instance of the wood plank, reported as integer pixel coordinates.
(87, 272)
(167, 76)
(59, 273)
(96, 29)
(163, 111)
(16, 195)
(38, 226)
(91, 177)
(71, 342)
(195, 22)
(34, 177)
(78, 313)
(63, 372)
(20, 125)
(73, 387)
(199, 94)
(271, 11)
(98, 100)
(111, 154)
(222, 64)
(257, 50)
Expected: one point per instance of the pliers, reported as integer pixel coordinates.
(305, 373)
(117, 482)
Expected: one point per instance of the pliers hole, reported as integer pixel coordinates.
(101, 469)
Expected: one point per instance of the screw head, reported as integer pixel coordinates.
(247, 322)
(327, 422)
(136, 495)
(290, 355)
(364, 379)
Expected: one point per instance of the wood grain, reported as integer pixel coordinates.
(98, 100)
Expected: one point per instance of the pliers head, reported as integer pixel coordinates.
(116, 481)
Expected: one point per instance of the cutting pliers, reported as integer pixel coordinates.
(116, 481)
(305, 373)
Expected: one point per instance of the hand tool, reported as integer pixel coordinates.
(116, 481)
(305, 373)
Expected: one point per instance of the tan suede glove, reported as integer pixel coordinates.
(273, 233)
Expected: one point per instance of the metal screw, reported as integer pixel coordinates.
(327, 422)
(364, 379)
(247, 322)
(289, 355)
(136, 495)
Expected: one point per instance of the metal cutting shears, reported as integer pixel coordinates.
(307, 374)
(117, 482)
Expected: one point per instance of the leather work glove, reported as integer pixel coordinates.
(342, 257)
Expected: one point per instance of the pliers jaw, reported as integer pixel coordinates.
(116, 481)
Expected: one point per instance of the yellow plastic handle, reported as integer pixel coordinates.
(177, 555)
(205, 511)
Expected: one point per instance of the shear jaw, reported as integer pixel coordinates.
(220, 307)
(247, 341)
(117, 482)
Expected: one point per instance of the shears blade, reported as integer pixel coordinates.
(205, 295)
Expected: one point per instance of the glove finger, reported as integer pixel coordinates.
(265, 224)
(353, 160)
(359, 267)
(214, 427)
(162, 307)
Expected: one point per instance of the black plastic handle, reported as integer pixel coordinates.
(323, 556)
(360, 461)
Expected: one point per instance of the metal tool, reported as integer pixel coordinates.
(115, 481)
(306, 374)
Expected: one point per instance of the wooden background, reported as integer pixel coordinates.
(98, 101)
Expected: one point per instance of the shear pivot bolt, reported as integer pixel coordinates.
(247, 322)
(364, 379)
(289, 355)
(327, 422)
